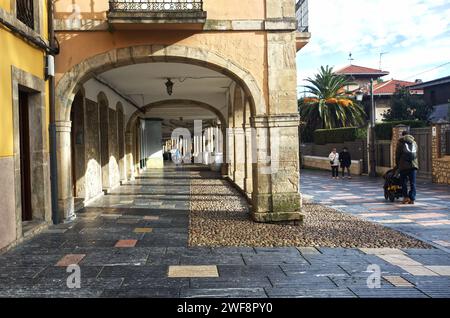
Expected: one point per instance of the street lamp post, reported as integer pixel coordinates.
(371, 131)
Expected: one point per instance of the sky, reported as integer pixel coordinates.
(414, 33)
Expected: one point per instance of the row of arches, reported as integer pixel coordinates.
(97, 147)
(247, 149)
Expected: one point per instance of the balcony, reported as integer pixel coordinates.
(303, 35)
(156, 14)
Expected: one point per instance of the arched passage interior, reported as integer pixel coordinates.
(140, 77)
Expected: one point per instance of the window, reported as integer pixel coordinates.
(25, 12)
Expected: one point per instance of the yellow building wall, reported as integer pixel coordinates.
(5, 4)
(17, 52)
(217, 9)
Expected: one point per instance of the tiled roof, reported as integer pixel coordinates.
(360, 70)
(439, 81)
(389, 87)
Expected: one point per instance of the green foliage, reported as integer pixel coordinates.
(326, 84)
(330, 107)
(339, 135)
(383, 131)
(406, 106)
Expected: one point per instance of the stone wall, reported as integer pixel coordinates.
(357, 149)
(440, 161)
(324, 164)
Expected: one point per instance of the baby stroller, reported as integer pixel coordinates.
(392, 185)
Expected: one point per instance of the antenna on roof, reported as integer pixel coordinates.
(381, 57)
(350, 58)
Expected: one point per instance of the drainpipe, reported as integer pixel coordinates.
(52, 124)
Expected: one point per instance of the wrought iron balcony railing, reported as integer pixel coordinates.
(156, 5)
(301, 8)
(25, 12)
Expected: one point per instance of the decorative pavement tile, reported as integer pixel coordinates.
(143, 230)
(441, 270)
(419, 271)
(398, 281)
(178, 271)
(443, 243)
(126, 243)
(374, 215)
(382, 251)
(396, 221)
(399, 260)
(70, 259)
(419, 216)
(434, 223)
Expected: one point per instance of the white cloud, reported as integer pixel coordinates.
(416, 33)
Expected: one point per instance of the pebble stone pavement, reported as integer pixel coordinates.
(134, 243)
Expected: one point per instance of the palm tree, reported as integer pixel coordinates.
(330, 107)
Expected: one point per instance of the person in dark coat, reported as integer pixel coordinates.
(345, 159)
(408, 164)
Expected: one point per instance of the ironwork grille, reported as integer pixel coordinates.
(25, 12)
(301, 8)
(156, 5)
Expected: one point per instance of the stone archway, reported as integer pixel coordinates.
(175, 102)
(275, 193)
(130, 153)
(80, 73)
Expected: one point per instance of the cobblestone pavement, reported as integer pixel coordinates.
(134, 243)
(428, 219)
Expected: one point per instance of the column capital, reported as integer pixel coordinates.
(281, 120)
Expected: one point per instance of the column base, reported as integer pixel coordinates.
(279, 208)
(295, 218)
(224, 170)
(66, 210)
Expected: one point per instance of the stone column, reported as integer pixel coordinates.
(64, 157)
(249, 150)
(239, 157)
(230, 151)
(276, 196)
(129, 155)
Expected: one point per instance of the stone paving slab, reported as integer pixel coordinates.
(142, 270)
(432, 209)
(223, 293)
(310, 293)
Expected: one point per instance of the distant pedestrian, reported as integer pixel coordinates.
(334, 162)
(408, 164)
(345, 159)
(176, 156)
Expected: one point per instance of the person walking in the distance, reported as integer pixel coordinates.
(408, 164)
(345, 159)
(334, 162)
